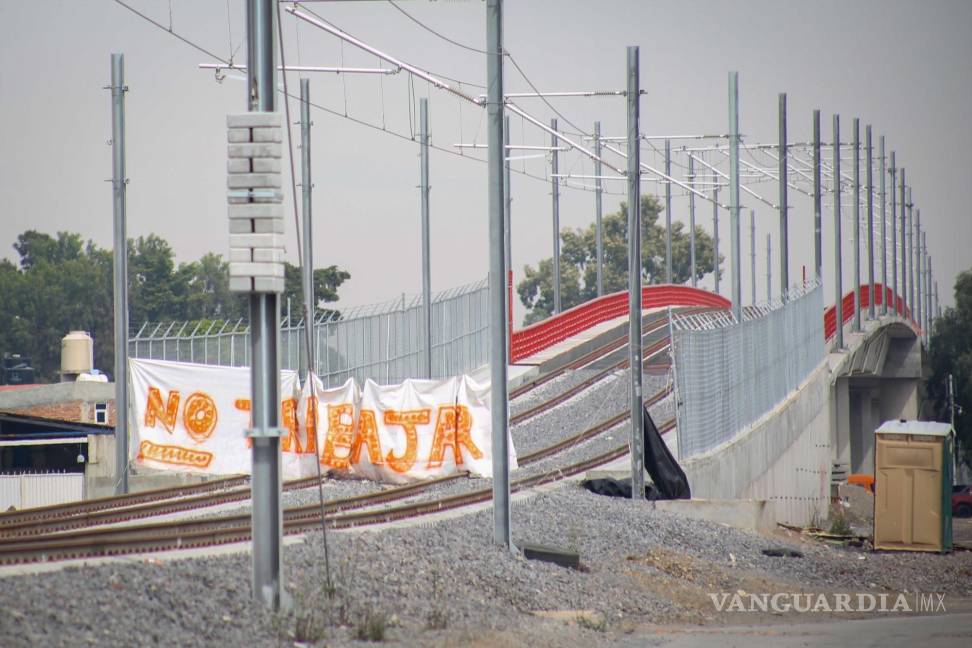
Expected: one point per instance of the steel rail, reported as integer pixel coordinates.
(225, 529)
(218, 531)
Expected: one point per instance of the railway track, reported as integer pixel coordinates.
(163, 501)
(148, 504)
(18, 533)
(339, 514)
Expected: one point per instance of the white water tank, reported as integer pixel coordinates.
(77, 355)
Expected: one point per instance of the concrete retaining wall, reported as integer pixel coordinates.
(783, 458)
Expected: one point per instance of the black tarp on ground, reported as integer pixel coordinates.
(669, 480)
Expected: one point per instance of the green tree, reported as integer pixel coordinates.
(326, 283)
(63, 284)
(578, 263)
(155, 293)
(950, 352)
(205, 285)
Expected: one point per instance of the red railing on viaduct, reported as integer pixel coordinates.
(542, 335)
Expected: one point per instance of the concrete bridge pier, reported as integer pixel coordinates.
(880, 377)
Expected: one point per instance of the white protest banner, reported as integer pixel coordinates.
(416, 430)
(193, 417)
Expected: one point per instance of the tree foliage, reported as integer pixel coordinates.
(64, 283)
(950, 352)
(578, 263)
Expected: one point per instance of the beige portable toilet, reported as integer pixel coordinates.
(912, 486)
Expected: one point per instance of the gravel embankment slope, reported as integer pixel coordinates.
(447, 584)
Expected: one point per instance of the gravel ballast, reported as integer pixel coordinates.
(447, 581)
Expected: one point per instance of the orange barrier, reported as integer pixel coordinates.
(896, 304)
(542, 335)
(866, 481)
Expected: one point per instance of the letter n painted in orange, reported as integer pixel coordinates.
(367, 435)
(449, 432)
(408, 419)
(339, 435)
(155, 411)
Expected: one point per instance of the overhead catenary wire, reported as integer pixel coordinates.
(308, 308)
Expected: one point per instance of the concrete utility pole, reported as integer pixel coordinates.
(752, 253)
(597, 209)
(691, 181)
(884, 227)
(769, 270)
(266, 479)
(870, 221)
(508, 232)
(426, 243)
(734, 195)
(857, 224)
(119, 193)
(715, 234)
(555, 194)
(634, 277)
(894, 240)
(499, 406)
(307, 272)
(838, 251)
(668, 212)
(817, 199)
(784, 204)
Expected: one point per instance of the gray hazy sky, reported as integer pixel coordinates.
(904, 67)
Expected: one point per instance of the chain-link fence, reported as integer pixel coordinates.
(384, 342)
(729, 374)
